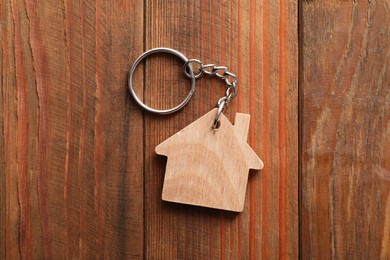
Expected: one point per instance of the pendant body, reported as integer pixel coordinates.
(208, 167)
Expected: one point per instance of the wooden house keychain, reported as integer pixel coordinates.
(209, 160)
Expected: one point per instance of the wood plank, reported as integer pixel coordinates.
(7, 119)
(73, 186)
(346, 129)
(118, 153)
(258, 41)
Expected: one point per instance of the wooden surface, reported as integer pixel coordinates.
(345, 135)
(72, 149)
(79, 178)
(209, 167)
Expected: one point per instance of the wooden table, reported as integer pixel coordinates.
(79, 175)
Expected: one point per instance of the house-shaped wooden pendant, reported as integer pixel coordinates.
(208, 167)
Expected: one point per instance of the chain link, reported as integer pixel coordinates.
(221, 72)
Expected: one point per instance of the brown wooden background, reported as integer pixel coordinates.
(79, 176)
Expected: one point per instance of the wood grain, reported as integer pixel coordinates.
(258, 41)
(73, 186)
(346, 129)
(82, 180)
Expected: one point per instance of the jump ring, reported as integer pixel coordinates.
(221, 106)
(187, 65)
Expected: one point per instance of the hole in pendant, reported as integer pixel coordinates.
(217, 125)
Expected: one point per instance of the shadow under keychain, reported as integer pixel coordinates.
(209, 160)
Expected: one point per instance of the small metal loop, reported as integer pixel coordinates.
(228, 75)
(224, 69)
(187, 66)
(228, 98)
(229, 90)
(158, 111)
(208, 69)
(221, 107)
(222, 99)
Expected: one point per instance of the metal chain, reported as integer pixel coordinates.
(221, 72)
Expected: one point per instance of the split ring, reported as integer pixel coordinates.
(161, 111)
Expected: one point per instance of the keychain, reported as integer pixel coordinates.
(209, 160)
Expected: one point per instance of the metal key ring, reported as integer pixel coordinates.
(161, 111)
